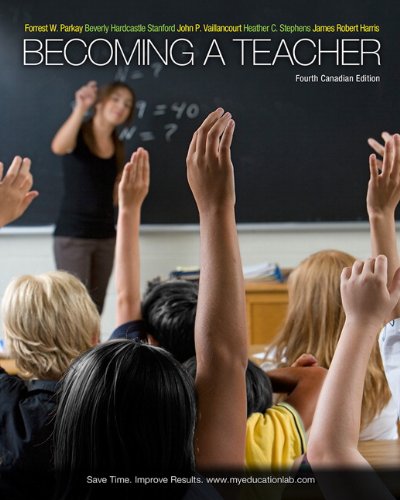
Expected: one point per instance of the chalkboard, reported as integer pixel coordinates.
(300, 150)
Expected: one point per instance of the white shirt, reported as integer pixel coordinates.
(389, 344)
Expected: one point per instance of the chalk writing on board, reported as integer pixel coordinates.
(171, 128)
(156, 67)
(160, 110)
(125, 73)
(147, 136)
(141, 108)
(127, 133)
(175, 112)
(137, 75)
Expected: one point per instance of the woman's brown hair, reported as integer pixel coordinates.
(314, 322)
(103, 94)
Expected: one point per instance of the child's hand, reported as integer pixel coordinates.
(86, 96)
(135, 180)
(384, 188)
(366, 298)
(378, 147)
(305, 360)
(209, 166)
(15, 194)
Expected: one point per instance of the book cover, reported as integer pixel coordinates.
(307, 83)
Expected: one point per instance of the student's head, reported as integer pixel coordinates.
(315, 319)
(48, 321)
(258, 386)
(315, 307)
(117, 101)
(169, 309)
(125, 408)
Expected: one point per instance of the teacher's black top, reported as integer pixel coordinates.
(87, 209)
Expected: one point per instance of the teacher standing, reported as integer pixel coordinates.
(93, 157)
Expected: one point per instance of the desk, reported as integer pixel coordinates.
(381, 453)
(266, 306)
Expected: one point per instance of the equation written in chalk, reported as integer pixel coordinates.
(164, 117)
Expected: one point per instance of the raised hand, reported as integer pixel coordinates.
(15, 194)
(384, 187)
(86, 96)
(383, 196)
(335, 430)
(65, 139)
(135, 180)
(132, 190)
(378, 147)
(209, 165)
(220, 327)
(366, 298)
(305, 360)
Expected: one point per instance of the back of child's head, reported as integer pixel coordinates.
(315, 316)
(315, 320)
(258, 386)
(48, 321)
(169, 309)
(125, 408)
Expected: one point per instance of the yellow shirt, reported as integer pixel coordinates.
(274, 440)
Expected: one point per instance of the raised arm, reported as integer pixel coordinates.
(335, 431)
(15, 193)
(383, 196)
(220, 328)
(64, 141)
(133, 189)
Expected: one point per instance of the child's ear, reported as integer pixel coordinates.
(96, 338)
(151, 340)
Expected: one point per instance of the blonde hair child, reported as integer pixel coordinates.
(314, 322)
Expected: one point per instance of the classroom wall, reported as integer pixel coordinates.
(163, 250)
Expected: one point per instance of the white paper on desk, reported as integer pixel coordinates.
(258, 271)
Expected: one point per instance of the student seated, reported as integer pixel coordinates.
(313, 324)
(275, 434)
(48, 320)
(370, 293)
(383, 198)
(137, 400)
(342, 472)
(168, 310)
